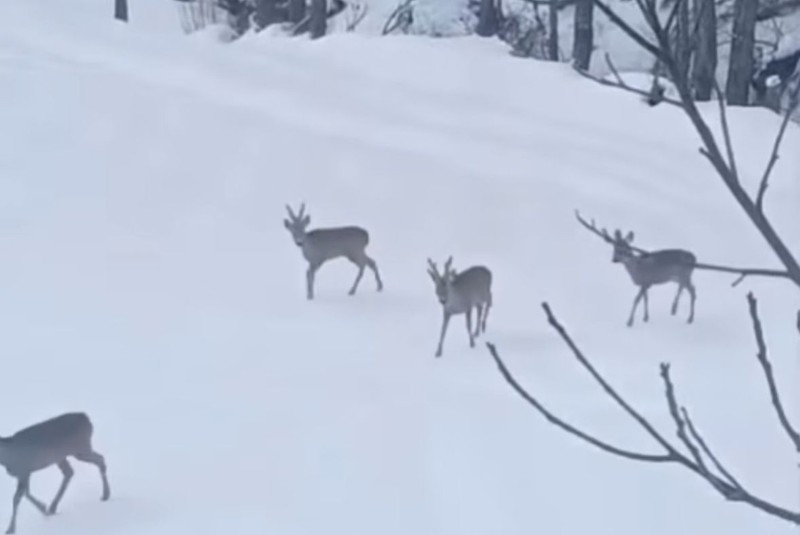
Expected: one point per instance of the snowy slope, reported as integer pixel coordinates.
(147, 279)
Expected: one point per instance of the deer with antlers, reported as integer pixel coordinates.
(648, 269)
(459, 293)
(323, 244)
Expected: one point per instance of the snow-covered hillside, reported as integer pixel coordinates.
(147, 278)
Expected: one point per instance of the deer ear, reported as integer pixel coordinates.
(306, 220)
(629, 237)
(286, 223)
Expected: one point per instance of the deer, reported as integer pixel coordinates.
(651, 268)
(459, 293)
(323, 244)
(45, 444)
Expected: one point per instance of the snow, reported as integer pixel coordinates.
(147, 279)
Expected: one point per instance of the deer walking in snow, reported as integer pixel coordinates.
(657, 267)
(459, 293)
(323, 244)
(42, 445)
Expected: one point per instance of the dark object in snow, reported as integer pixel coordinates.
(45, 444)
(656, 95)
(782, 68)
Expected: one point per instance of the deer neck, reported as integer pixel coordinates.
(631, 264)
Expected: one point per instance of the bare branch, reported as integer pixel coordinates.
(773, 158)
(622, 85)
(726, 485)
(551, 319)
(558, 422)
(766, 366)
(702, 443)
(726, 170)
(628, 29)
(726, 133)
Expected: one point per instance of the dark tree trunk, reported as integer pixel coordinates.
(488, 19)
(297, 10)
(319, 18)
(740, 68)
(683, 39)
(552, 32)
(704, 68)
(584, 34)
(121, 10)
(266, 13)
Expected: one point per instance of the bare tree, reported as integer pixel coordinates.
(121, 10)
(552, 31)
(740, 68)
(704, 65)
(583, 43)
(489, 18)
(697, 456)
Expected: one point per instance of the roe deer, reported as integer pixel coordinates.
(657, 267)
(459, 293)
(44, 444)
(323, 244)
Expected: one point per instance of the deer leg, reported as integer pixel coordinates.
(486, 308)
(67, 472)
(693, 296)
(92, 457)
(36, 502)
(646, 314)
(22, 487)
(360, 263)
(477, 331)
(374, 267)
(312, 270)
(635, 304)
(445, 322)
(677, 298)
(468, 314)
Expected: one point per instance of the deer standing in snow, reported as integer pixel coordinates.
(323, 244)
(459, 293)
(656, 267)
(649, 268)
(42, 445)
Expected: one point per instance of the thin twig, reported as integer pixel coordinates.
(704, 446)
(558, 422)
(627, 407)
(623, 86)
(769, 375)
(773, 158)
(726, 133)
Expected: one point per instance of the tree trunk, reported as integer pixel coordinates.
(297, 10)
(584, 34)
(319, 18)
(552, 33)
(704, 69)
(488, 19)
(740, 68)
(121, 10)
(683, 39)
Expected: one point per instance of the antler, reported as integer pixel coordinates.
(593, 228)
(432, 269)
(448, 264)
(299, 215)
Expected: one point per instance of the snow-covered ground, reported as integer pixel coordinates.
(147, 278)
